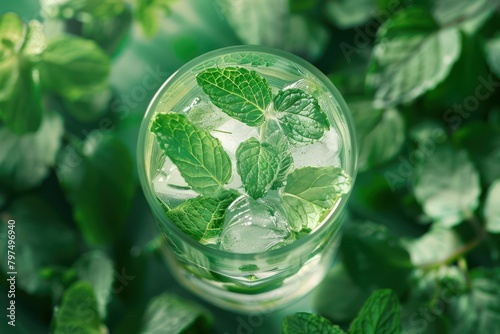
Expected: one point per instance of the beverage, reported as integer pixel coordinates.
(246, 156)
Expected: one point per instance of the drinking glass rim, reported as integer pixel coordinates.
(151, 197)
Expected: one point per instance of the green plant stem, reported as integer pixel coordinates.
(458, 253)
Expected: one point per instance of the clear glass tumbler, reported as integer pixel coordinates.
(261, 281)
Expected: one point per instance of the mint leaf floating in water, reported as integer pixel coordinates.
(380, 314)
(258, 165)
(240, 93)
(201, 159)
(202, 217)
(310, 193)
(308, 323)
(300, 116)
(273, 135)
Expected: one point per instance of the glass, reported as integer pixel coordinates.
(261, 281)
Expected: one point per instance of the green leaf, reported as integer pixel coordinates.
(176, 314)
(295, 33)
(348, 13)
(273, 135)
(493, 54)
(374, 257)
(240, 93)
(99, 184)
(434, 246)
(411, 40)
(447, 186)
(73, 66)
(482, 142)
(42, 239)
(258, 165)
(300, 116)
(12, 31)
(206, 116)
(308, 323)
(25, 161)
(249, 58)
(345, 298)
(272, 14)
(311, 192)
(78, 311)
(492, 209)
(200, 157)
(35, 42)
(381, 134)
(380, 314)
(97, 269)
(89, 106)
(202, 218)
(149, 13)
(468, 15)
(478, 311)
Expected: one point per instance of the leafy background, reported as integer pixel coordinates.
(421, 78)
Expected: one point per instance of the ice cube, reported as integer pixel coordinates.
(231, 134)
(319, 154)
(170, 186)
(254, 226)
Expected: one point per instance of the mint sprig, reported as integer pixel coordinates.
(200, 157)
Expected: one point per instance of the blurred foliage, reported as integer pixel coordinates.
(421, 78)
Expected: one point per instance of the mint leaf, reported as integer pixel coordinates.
(20, 97)
(380, 314)
(36, 247)
(200, 157)
(98, 180)
(273, 135)
(447, 186)
(240, 93)
(300, 116)
(311, 192)
(22, 111)
(12, 31)
(478, 310)
(492, 209)
(308, 323)
(250, 58)
(434, 246)
(25, 161)
(257, 164)
(380, 133)
(374, 257)
(78, 311)
(411, 39)
(349, 13)
(170, 312)
(73, 66)
(493, 54)
(202, 218)
(149, 13)
(97, 269)
(345, 298)
(470, 16)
